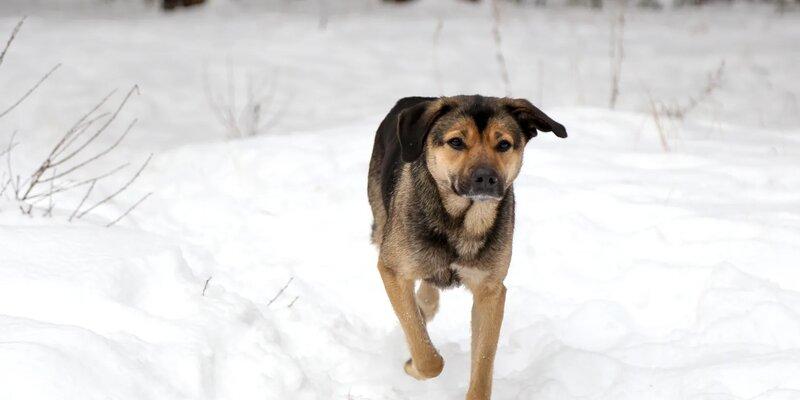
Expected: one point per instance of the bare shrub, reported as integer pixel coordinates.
(57, 172)
(667, 115)
(258, 112)
(679, 111)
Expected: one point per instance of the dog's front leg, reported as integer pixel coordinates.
(488, 301)
(425, 361)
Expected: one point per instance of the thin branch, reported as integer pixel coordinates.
(6, 184)
(111, 196)
(293, 301)
(134, 89)
(76, 132)
(30, 91)
(11, 39)
(129, 210)
(83, 200)
(11, 146)
(280, 292)
(205, 286)
(81, 183)
(49, 211)
(61, 146)
(95, 157)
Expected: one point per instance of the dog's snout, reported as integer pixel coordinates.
(484, 177)
(485, 182)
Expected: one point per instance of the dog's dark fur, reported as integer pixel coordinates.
(432, 224)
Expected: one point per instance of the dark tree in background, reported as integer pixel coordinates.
(172, 4)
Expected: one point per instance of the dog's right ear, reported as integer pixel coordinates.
(413, 125)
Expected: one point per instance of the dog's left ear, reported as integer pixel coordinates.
(531, 119)
(413, 125)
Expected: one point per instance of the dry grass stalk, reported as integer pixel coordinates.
(498, 45)
(662, 133)
(437, 70)
(616, 55)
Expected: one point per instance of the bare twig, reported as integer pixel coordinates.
(498, 44)
(11, 177)
(80, 125)
(80, 183)
(6, 184)
(49, 211)
(280, 292)
(134, 89)
(10, 146)
(95, 157)
(129, 210)
(11, 39)
(30, 91)
(83, 200)
(120, 190)
(78, 130)
(205, 286)
(293, 301)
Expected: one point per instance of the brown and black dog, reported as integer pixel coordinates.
(440, 187)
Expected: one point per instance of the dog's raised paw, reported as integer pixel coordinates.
(427, 370)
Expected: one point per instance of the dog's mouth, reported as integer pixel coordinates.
(483, 197)
(470, 194)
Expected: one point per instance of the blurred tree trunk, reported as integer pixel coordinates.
(406, 1)
(172, 4)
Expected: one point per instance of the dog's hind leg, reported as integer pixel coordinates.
(427, 300)
(425, 361)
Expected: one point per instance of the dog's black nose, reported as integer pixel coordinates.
(485, 182)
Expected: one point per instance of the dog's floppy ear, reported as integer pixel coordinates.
(531, 119)
(413, 125)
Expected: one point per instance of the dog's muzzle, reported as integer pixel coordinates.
(484, 184)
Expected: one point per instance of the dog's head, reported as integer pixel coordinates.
(472, 145)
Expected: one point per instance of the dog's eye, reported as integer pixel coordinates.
(503, 146)
(456, 143)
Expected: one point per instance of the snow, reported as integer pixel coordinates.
(638, 273)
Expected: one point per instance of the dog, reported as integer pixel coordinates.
(440, 187)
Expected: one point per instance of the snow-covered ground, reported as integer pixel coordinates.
(638, 273)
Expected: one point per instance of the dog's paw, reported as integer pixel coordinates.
(429, 369)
